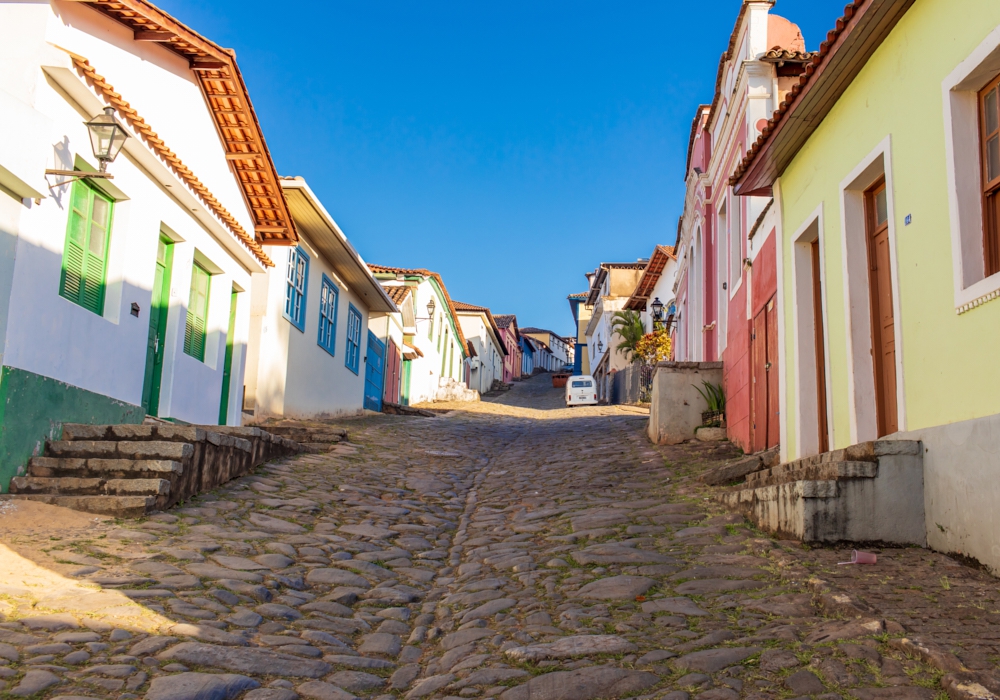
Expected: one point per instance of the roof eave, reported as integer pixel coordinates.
(848, 48)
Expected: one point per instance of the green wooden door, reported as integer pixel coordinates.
(404, 399)
(227, 368)
(159, 306)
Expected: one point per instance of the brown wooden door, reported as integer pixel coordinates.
(771, 368)
(758, 382)
(819, 339)
(883, 320)
(765, 426)
(393, 373)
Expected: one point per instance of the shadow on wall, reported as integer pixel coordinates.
(42, 331)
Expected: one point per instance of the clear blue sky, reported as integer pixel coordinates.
(509, 146)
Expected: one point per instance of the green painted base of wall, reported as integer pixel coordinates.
(33, 409)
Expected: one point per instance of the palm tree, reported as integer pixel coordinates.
(628, 325)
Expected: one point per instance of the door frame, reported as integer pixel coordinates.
(227, 364)
(887, 423)
(156, 379)
(857, 306)
(808, 389)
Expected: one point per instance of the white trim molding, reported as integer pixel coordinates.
(804, 337)
(961, 126)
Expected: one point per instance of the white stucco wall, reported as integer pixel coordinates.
(425, 372)
(296, 376)
(51, 336)
(490, 366)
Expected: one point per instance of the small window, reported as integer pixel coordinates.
(295, 291)
(989, 126)
(582, 385)
(195, 328)
(353, 359)
(328, 296)
(85, 255)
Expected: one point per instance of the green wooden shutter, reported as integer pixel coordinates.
(86, 252)
(196, 327)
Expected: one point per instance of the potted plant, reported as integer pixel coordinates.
(713, 421)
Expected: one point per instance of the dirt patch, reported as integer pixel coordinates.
(34, 518)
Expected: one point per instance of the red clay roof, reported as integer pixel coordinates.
(386, 269)
(226, 96)
(854, 13)
(398, 293)
(650, 276)
(461, 306)
(171, 159)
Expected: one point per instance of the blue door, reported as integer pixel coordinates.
(374, 368)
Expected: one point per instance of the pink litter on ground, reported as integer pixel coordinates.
(859, 558)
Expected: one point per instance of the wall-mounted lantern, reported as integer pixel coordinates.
(107, 137)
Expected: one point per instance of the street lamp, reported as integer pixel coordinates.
(430, 307)
(657, 308)
(107, 137)
(600, 347)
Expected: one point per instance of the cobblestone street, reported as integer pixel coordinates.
(510, 548)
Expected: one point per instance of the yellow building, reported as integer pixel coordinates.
(884, 163)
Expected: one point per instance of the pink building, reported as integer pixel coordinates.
(727, 282)
(511, 339)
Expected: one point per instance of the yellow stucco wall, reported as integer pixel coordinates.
(950, 362)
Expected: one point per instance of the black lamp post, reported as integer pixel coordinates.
(657, 309)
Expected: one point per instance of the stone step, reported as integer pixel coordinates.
(304, 434)
(72, 486)
(156, 432)
(116, 506)
(108, 449)
(824, 471)
(105, 468)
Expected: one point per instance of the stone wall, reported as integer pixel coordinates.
(676, 406)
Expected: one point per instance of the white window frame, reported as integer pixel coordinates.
(962, 151)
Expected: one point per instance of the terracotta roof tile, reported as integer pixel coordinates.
(226, 96)
(170, 159)
(780, 54)
(398, 293)
(387, 269)
(790, 100)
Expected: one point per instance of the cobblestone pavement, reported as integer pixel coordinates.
(511, 548)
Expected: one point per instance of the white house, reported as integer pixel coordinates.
(655, 291)
(558, 348)
(124, 291)
(486, 350)
(435, 352)
(311, 351)
(611, 285)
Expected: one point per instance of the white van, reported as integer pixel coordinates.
(581, 390)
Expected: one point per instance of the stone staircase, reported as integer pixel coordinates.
(132, 470)
(870, 492)
(314, 436)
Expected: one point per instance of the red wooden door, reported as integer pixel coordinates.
(765, 428)
(758, 382)
(883, 318)
(393, 373)
(771, 368)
